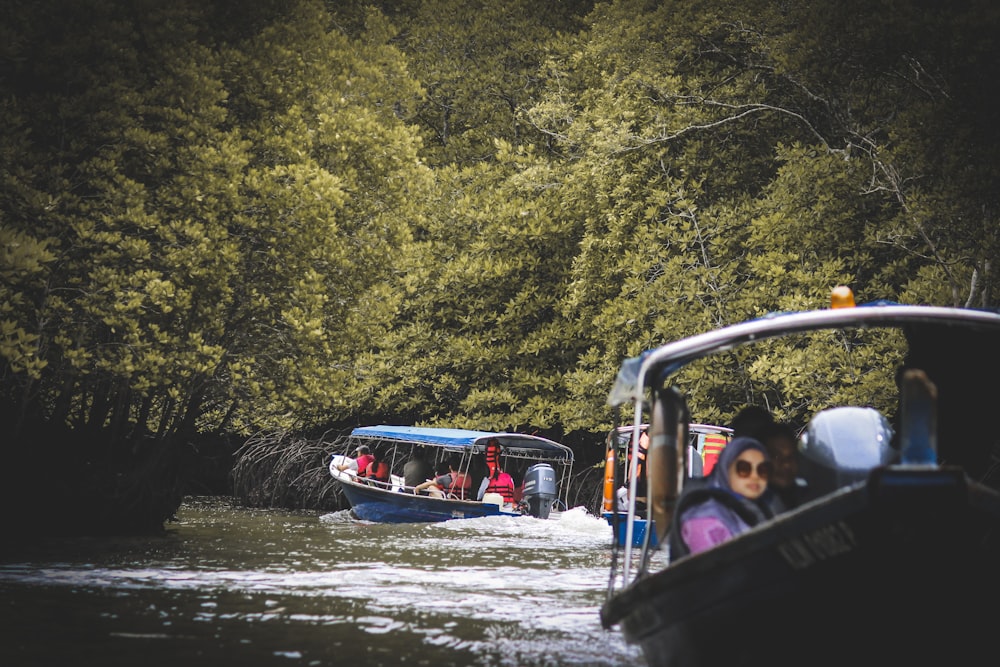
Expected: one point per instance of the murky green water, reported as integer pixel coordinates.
(248, 587)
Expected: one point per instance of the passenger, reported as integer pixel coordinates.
(454, 484)
(479, 472)
(640, 475)
(518, 478)
(726, 503)
(784, 490)
(362, 457)
(695, 463)
(750, 420)
(377, 469)
(430, 486)
(747, 422)
(499, 482)
(416, 470)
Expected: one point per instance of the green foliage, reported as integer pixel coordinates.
(478, 63)
(201, 198)
(22, 263)
(475, 360)
(721, 177)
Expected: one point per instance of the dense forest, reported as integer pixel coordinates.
(223, 218)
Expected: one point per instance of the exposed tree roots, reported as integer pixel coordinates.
(278, 469)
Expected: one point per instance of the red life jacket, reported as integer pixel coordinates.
(363, 462)
(492, 455)
(460, 485)
(504, 485)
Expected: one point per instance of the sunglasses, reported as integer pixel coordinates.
(744, 468)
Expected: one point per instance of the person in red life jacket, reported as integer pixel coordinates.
(500, 482)
(453, 484)
(362, 457)
(496, 480)
(377, 469)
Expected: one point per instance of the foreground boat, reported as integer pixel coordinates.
(895, 556)
(540, 469)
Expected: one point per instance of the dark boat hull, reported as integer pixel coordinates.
(903, 567)
(370, 503)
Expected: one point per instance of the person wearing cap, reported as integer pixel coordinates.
(362, 457)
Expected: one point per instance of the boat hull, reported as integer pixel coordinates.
(370, 503)
(897, 568)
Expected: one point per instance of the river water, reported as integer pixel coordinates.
(237, 586)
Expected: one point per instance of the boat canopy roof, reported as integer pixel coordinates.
(470, 441)
(652, 366)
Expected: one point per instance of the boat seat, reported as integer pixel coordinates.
(493, 498)
(398, 484)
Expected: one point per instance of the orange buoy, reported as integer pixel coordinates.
(609, 479)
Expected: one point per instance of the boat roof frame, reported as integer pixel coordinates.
(631, 382)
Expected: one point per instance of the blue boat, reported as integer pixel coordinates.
(540, 468)
(893, 557)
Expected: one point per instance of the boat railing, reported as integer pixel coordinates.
(388, 486)
(399, 487)
(392, 485)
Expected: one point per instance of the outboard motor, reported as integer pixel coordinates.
(842, 445)
(539, 490)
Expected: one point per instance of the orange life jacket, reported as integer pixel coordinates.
(713, 445)
(378, 471)
(640, 468)
(610, 461)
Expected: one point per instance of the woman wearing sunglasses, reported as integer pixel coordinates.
(726, 503)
